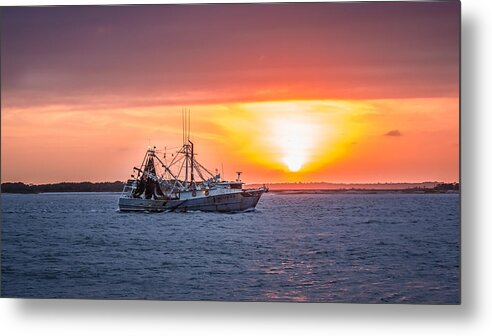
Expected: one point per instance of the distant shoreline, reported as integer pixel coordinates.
(22, 188)
(276, 188)
(362, 191)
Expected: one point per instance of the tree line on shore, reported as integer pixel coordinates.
(117, 186)
(22, 188)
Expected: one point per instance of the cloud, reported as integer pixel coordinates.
(393, 133)
(200, 54)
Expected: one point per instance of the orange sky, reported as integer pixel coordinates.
(338, 93)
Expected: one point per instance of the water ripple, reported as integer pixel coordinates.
(317, 248)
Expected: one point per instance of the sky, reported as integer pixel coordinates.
(336, 92)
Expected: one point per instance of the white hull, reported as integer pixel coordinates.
(229, 202)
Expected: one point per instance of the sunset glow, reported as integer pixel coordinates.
(294, 146)
(294, 139)
(299, 96)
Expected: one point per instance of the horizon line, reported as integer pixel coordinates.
(249, 183)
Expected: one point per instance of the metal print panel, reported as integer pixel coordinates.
(301, 152)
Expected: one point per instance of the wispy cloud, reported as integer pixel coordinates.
(393, 133)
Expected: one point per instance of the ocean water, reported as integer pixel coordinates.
(386, 248)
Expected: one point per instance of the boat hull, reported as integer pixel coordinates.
(232, 202)
(139, 204)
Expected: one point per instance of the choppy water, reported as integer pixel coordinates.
(330, 248)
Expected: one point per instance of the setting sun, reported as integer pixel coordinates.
(294, 162)
(295, 139)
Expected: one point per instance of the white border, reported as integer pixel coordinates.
(473, 317)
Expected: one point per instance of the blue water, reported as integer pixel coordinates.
(319, 248)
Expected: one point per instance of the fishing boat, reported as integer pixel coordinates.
(183, 184)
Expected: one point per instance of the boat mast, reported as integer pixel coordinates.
(186, 165)
(192, 177)
(192, 164)
(187, 149)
